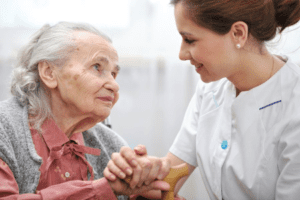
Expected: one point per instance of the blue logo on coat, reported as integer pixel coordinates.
(224, 144)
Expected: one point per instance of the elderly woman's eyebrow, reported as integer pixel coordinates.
(105, 60)
(101, 59)
(117, 68)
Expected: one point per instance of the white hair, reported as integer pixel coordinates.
(51, 44)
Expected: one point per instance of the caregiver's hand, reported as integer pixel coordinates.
(122, 188)
(143, 168)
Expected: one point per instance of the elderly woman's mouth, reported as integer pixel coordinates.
(107, 98)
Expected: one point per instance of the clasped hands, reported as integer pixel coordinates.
(146, 172)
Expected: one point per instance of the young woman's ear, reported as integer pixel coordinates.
(47, 74)
(239, 33)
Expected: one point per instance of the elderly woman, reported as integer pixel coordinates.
(50, 140)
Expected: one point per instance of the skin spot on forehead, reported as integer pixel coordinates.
(90, 44)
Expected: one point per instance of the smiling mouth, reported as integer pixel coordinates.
(199, 66)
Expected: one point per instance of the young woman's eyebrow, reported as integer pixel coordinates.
(185, 34)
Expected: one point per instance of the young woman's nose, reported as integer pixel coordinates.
(184, 53)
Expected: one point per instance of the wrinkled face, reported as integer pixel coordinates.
(87, 82)
(210, 53)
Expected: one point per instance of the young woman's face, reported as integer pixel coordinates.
(212, 54)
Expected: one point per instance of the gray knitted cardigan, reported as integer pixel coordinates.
(18, 152)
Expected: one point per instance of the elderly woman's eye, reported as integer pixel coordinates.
(114, 74)
(96, 67)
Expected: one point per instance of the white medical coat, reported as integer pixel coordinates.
(246, 147)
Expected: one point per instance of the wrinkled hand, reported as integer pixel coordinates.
(144, 170)
(122, 188)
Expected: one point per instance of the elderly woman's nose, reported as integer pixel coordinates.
(184, 54)
(112, 85)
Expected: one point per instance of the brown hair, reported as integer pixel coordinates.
(263, 17)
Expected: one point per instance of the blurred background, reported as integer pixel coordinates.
(155, 86)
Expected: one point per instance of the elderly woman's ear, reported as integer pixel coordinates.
(47, 74)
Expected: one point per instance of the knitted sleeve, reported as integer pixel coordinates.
(108, 141)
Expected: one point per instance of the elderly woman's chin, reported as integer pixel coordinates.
(101, 116)
(101, 111)
(104, 110)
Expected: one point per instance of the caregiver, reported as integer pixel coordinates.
(242, 126)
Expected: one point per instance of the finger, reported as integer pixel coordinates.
(129, 155)
(115, 170)
(146, 166)
(154, 172)
(165, 168)
(140, 150)
(137, 171)
(108, 175)
(156, 185)
(119, 187)
(119, 162)
(159, 185)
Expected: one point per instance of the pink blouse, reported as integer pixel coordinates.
(63, 171)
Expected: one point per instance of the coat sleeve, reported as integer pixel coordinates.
(288, 183)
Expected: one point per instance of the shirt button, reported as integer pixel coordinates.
(224, 144)
(67, 174)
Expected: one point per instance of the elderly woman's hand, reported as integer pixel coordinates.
(143, 168)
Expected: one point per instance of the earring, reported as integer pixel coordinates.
(238, 46)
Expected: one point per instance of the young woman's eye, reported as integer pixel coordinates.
(189, 41)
